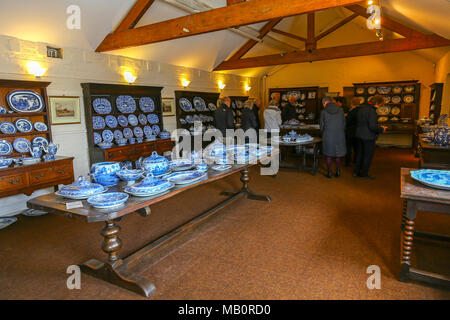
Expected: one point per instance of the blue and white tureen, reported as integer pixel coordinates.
(155, 164)
(149, 186)
(130, 176)
(82, 189)
(105, 173)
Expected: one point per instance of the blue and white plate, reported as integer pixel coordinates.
(185, 105)
(126, 104)
(181, 164)
(148, 131)
(107, 136)
(3, 110)
(111, 121)
(182, 121)
(199, 104)
(133, 120)
(22, 145)
(98, 122)
(102, 105)
(123, 120)
(118, 134)
(4, 222)
(212, 106)
(153, 118)
(23, 125)
(97, 138)
(7, 128)
(146, 104)
(128, 133)
(41, 141)
(185, 177)
(439, 179)
(138, 133)
(142, 119)
(25, 101)
(33, 213)
(156, 130)
(108, 200)
(40, 126)
(222, 167)
(5, 148)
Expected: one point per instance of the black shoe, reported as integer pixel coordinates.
(368, 177)
(338, 173)
(329, 175)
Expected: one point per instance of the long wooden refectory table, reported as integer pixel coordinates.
(117, 270)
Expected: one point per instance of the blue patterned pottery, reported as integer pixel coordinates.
(108, 200)
(130, 176)
(36, 151)
(155, 164)
(81, 189)
(25, 101)
(149, 186)
(105, 145)
(51, 149)
(121, 141)
(185, 177)
(164, 135)
(203, 167)
(433, 178)
(442, 136)
(5, 162)
(105, 173)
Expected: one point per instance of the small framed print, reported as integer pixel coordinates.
(311, 95)
(168, 107)
(64, 110)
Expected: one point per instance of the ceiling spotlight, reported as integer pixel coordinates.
(370, 2)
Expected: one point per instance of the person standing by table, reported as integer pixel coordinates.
(248, 117)
(256, 109)
(288, 112)
(332, 126)
(272, 118)
(223, 116)
(350, 132)
(367, 131)
(342, 102)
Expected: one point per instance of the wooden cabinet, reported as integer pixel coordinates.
(29, 178)
(435, 101)
(134, 152)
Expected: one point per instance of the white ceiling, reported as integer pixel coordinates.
(45, 21)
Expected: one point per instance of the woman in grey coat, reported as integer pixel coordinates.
(332, 126)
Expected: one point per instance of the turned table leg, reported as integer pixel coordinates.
(111, 241)
(408, 217)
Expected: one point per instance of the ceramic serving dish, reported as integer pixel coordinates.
(185, 177)
(105, 173)
(439, 179)
(155, 164)
(4, 222)
(7, 128)
(149, 186)
(146, 104)
(223, 167)
(81, 189)
(102, 106)
(130, 176)
(5, 162)
(126, 104)
(25, 101)
(181, 164)
(108, 200)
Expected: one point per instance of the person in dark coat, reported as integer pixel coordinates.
(256, 108)
(367, 131)
(342, 102)
(332, 126)
(224, 116)
(350, 132)
(288, 112)
(248, 116)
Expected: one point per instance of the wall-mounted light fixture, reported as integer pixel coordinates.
(129, 77)
(221, 85)
(247, 87)
(35, 69)
(185, 83)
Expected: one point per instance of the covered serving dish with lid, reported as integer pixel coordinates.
(81, 189)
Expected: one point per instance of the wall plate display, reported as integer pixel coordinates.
(41, 141)
(146, 104)
(7, 128)
(395, 111)
(133, 120)
(397, 89)
(25, 101)
(111, 121)
(123, 120)
(23, 125)
(128, 133)
(65, 110)
(3, 110)
(408, 98)
(22, 145)
(358, 91)
(212, 106)
(156, 130)
(5, 147)
(153, 118)
(126, 104)
(138, 133)
(102, 106)
(98, 122)
(372, 90)
(142, 119)
(384, 90)
(118, 134)
(199, 104)
(97, 138)
(107, 135)
(40, 126)
(185, 105)
(396, 99)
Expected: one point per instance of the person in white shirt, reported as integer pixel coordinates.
(272, 117)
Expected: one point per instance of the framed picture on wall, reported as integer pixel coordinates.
(168, 107)
(64, 110)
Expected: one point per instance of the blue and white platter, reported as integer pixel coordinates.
(148, 131)
(25, 101)
(156, 130)
(7, 128)
(97, 138)
(185, 177)
(40, 126)
(153, 118)
(212, 106)
(107, 135)
(22, 145)
(4, 222)
(149, 186)
(126, 104)
(138, 133)
(199, 104)
(23, 125)
(41, 141)
(185, 105)
(181, 164)
(98, 122)
(81, 189)
(142, 119)
(222, 167)
(33, 213)
(102, 105)
(111, 121)
(108, 200)
(5, 148)
(128, 133)
(439, 179)
(118, 134)
(133, 120)
(146, 104)
(123, 120)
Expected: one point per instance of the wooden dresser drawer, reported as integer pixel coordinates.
(13, 182)
(120, 154)
(48, 174)
(164, 145)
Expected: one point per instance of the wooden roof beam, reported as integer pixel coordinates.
(134, 15)
(336, 26)
(290, 35)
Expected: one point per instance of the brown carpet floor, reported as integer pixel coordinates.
(315, 240)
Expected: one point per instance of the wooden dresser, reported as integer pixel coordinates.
(134, 152)
(29, 178)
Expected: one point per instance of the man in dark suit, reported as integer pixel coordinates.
(255, 109)
(367, 131)
(288, 112)
(224, 116)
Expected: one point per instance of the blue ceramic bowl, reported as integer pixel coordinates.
(203, 167)
(5, 162)
(129, 175)
(105, 145)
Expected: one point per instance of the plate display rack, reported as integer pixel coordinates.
(435, 101)
(237, 104)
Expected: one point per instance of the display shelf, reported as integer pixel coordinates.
(237, 104)
(435, 101)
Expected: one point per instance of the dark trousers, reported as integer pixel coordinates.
(352, 146)
(364, 155)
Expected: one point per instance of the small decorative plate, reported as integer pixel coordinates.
(383, 119)
(40, 126)
(153, 118)
(123, 120)
(126, 104)
(395, 111)
(118, 134)
(7, 128)
(408, 98)
(185, 105)
(387, 99)
(22, 145)
(4, 222)
(133, 120)
(181, 164)
(358, 91)
(5, 148)
(98, 123)
(138, 133)
(397, 90)
(222, 167)
(148, 131)
(111, 121)
(41, 141)
(146, 104)
(97, 138)
(102, 106)
(384, 90)
(23, 125)
(142, 119)
(25, 101)
(156, 129)
(107, 135)
(372, 90)
(396, 99)
(128, 133)
(185, 177)
(108, 200)
(383, 111)
(212, 107)
(199, 104)
(409, 89)
(33, 213)
(439, 179)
